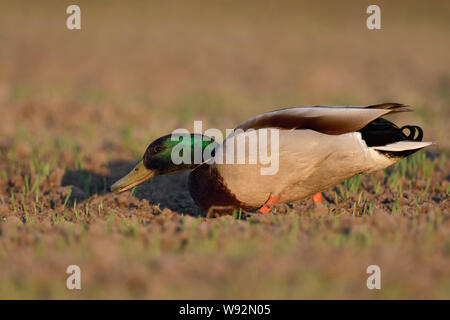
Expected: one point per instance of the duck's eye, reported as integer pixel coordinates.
(157, 149)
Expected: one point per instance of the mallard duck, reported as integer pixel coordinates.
(318, 147)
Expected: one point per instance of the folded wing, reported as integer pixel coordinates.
(324, 119)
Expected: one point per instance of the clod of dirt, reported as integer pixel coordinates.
(4, 210)
(58, 196)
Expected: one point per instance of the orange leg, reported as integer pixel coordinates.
(272, 200)
(317, 197)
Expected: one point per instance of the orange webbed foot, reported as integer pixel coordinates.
(317, 198)
(265, 208)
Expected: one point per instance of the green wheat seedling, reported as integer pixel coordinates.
(354, 209)
(26, 217)
(133, 191)
(75, 210)
(360, 197)
(428, 168)
(394, 179)
(427, 186)
(376, 184)
(371, 208)
(87, 208)
(69, 193)
(54, 218)
(420, 164)
(100, 206)
(336, 198)
(23, 200)
(79, 161)
(423, 192)
(364, 209)
(36, 196)
(400, 190)
(396, 207)
(27, 184)
(342, 192)
(13, 202)
(402, 166)
(36, 185)
(353, 184)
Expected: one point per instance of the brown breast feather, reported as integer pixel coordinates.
(208, 189)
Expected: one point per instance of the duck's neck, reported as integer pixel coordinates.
(190, 151)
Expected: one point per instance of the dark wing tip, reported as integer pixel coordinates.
(392, 106)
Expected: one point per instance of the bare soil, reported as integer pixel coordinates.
(77, 110)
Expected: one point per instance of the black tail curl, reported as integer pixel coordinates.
(381, 132)
(412, 133)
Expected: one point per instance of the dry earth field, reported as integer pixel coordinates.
(78, 108)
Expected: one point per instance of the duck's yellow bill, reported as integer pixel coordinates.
(136, 176)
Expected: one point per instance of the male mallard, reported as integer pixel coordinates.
(318, 147)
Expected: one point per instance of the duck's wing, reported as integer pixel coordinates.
(324, 119)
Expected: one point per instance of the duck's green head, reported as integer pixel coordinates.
(163, 157)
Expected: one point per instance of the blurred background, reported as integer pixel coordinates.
(75, 102)
(141, 69)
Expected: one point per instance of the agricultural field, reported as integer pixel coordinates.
(79, 107)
